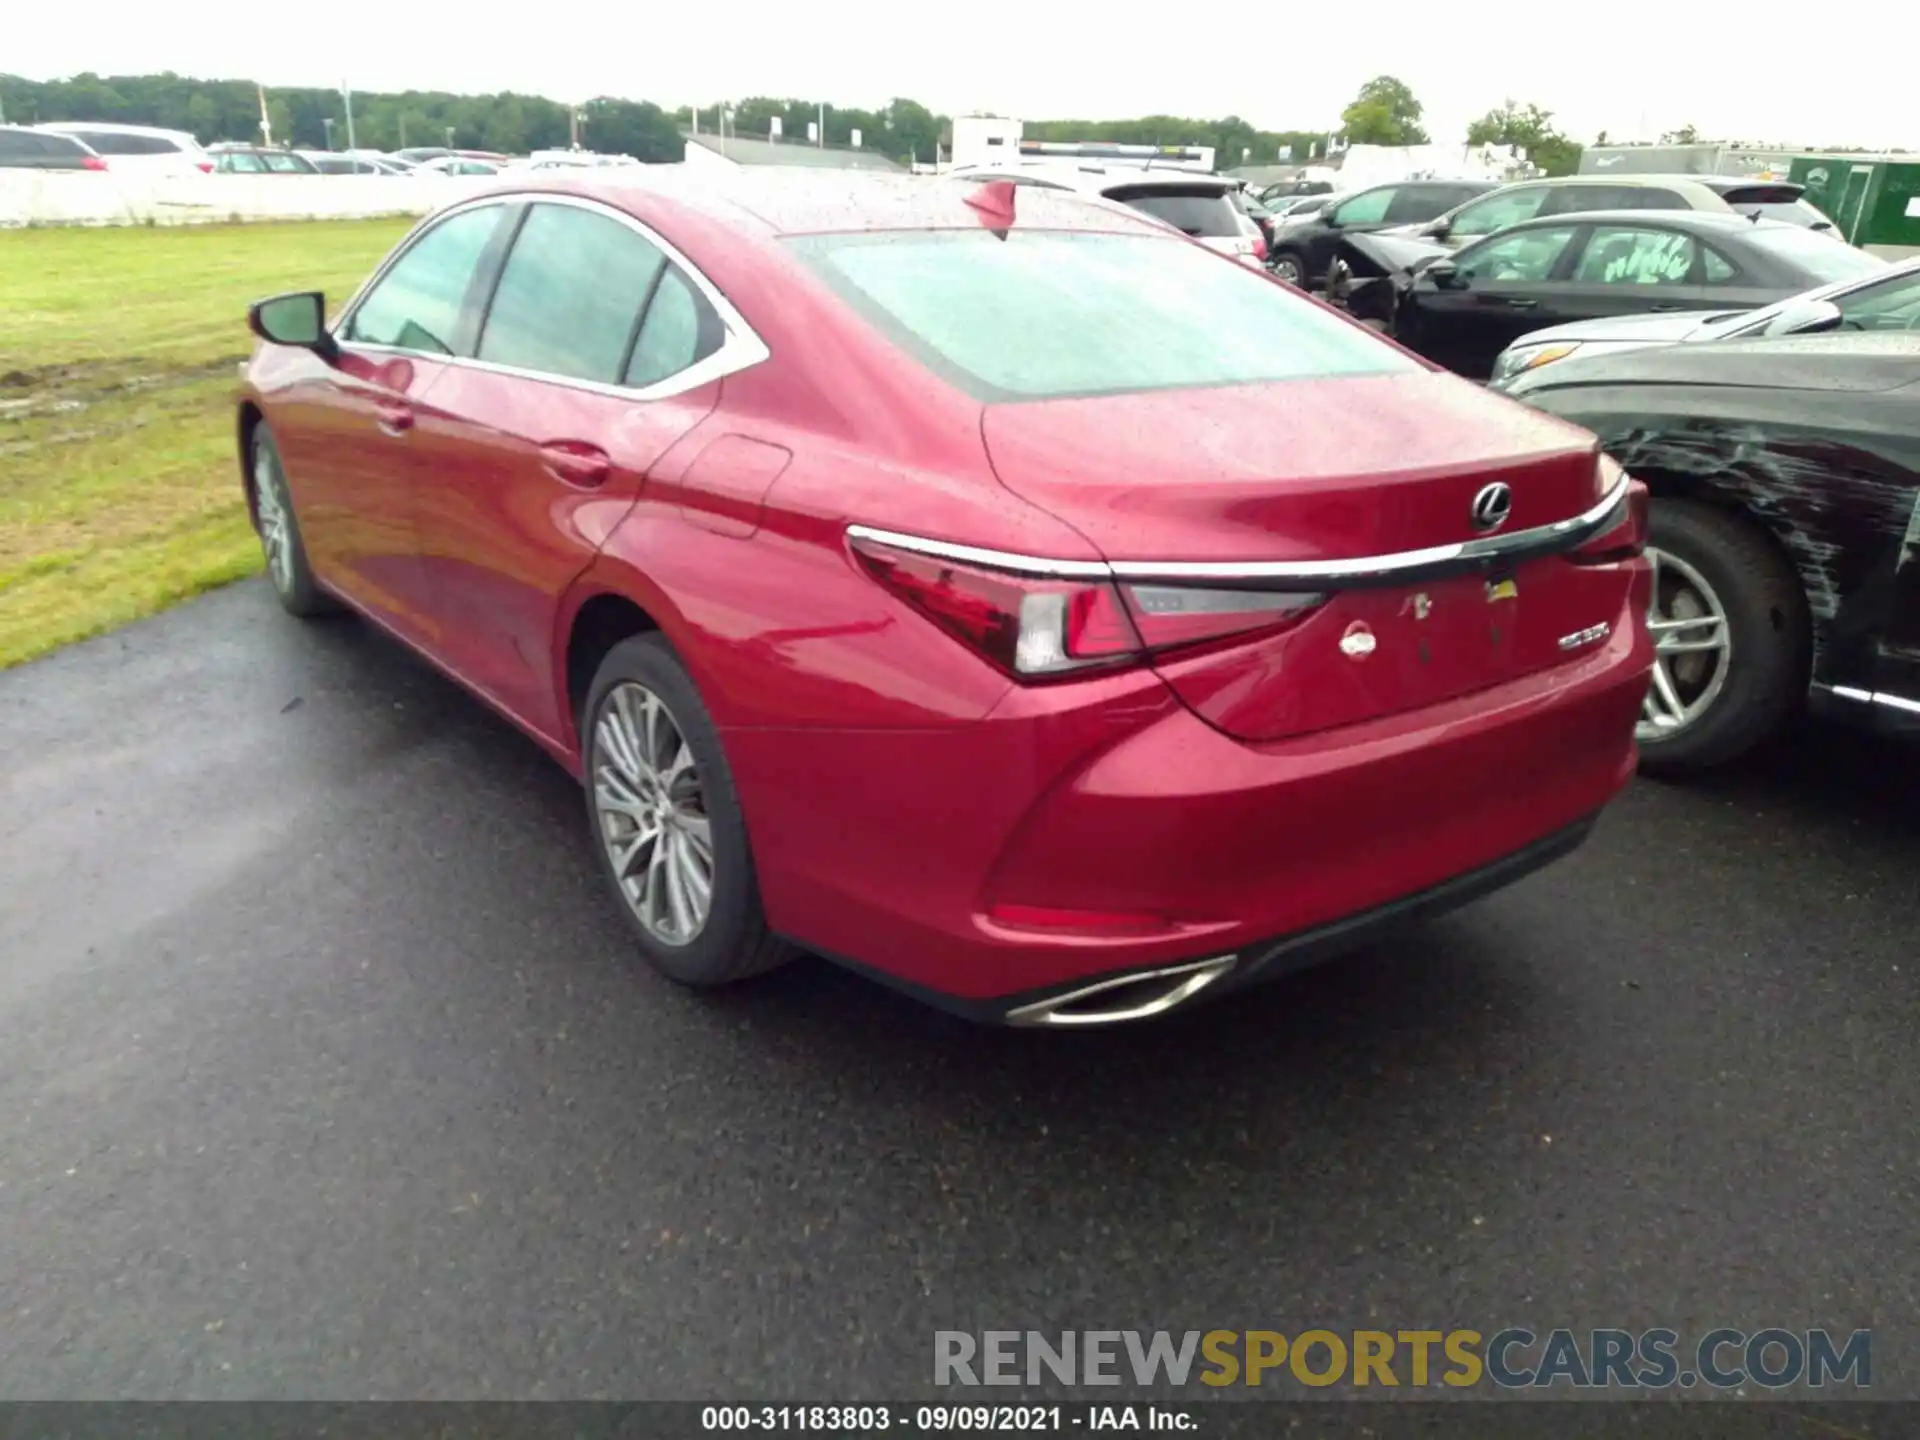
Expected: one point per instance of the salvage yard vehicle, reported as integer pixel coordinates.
(1203, 207)
(1885, 297)
(1577, 194)
(1463, 310)
(1786, 525)
(1305, 244)
(137, 150)
(995, 591)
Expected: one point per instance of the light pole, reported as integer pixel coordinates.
(449, 137)
(327, 120)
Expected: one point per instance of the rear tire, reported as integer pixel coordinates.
(1708, 560)
(279, 530)
(652, 761)
(1289, 267)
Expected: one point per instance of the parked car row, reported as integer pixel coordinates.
(144, 150)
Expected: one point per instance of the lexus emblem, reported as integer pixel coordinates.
(1492, 506)
(1358, 642)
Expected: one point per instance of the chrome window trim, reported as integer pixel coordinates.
(741, 349)
(1402, 567)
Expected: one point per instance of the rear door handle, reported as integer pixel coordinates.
(576, 462)
(1670, 305)
(393, 419)
(1523, 304)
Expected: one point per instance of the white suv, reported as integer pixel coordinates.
(138, 149)
(1190, 201)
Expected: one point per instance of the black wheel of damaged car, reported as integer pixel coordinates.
(1731, 636)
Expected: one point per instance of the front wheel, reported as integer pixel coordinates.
(1731, 636)
(1288, 267)
(666, 822)
(286, 553)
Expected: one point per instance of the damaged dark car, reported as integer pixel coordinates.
(1462, 309)
(1785, 533)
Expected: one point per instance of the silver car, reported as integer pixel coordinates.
(1885, 297)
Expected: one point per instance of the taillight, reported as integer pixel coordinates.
(1036, 628)
(206, 166)
(1628, 536)
(1259, 247)
(93, 162)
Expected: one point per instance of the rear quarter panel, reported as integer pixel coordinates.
(1833, 476)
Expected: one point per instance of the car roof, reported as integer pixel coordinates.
(1096, 179)
(107, 128)
(812, 202)
(1710, 220)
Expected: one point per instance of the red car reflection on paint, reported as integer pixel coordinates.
(997, 592)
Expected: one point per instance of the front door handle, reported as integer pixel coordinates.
(1523, 304)
(393, 419)
(1669, 305)
(576, 462)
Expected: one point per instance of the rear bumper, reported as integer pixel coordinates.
(957, 862)
(1144, 994)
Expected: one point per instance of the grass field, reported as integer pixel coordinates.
(119, 492)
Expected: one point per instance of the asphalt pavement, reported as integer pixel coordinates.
(326, 1072)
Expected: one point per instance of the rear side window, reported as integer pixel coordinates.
(1618, 256)
(1719, 270)
(680, 329)
(1045, 314)
(570, 295)
(1201, 212)
(283, 164)
(107, 142)
(416, 304)
(241, 162)
(1416, 204)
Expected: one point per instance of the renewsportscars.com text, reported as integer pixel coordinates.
(1513, 1358)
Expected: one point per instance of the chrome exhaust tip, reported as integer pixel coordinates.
(1125, 998)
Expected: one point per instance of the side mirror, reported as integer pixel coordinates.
(299, 319)
(1808, 317)
(1439, 229)
(1445, 275)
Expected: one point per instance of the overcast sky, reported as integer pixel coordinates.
(1631, 69)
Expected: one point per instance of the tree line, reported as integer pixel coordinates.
(1384, 112)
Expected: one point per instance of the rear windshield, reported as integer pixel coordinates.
(108, 142)
(1796, 212)
(1201, 211)
(1046, 314)
(1826, 257)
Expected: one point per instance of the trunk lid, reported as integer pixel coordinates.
(1325, 471)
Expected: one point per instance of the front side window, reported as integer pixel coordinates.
(1045, 314)
(1367, 208)
(1497, 212)
(239, 162)
(1526, 256)
(1417, 204)
(570, 295)
(416, 304)
(283, 164)
(1619, 256)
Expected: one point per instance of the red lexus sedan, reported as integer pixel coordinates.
(993, 590)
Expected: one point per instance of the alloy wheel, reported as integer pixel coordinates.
(1286, 268)
(1693, 648)
(276, 531)
(652, 810)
